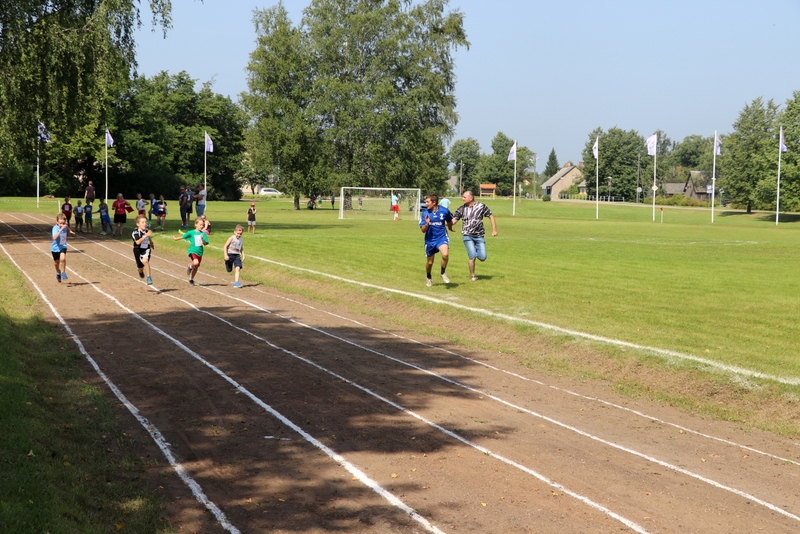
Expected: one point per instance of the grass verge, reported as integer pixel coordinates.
(64, 465)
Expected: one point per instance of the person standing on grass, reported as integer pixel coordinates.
(396, 206)
(105, 218)
(333, 201)
(141, 204)
(200, 197)
(78, 217)
(66, 209)
(87, 216)
(196, 238)
(143, 247)
(434, 223)
(184, 205)
(89, 193)
(471, 215)
(251, 218)
(59, 247)
(120, 207)
(234, 254)
(161, 212)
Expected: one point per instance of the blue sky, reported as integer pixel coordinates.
(548, 73)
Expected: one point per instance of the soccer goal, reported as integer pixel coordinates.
(376, 202)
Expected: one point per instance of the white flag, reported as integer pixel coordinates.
(209, 143)
(109, 139)
(512, 155)
(717, 145)
(595, 149)
(783, 144)
(651, 143)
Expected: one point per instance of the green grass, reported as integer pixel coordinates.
(64, 465)
(727, 292)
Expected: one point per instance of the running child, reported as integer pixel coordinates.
(143, 247)
(59, 246)
(105, 218)
(251, 218)
(234, 254)
(141, 204)
(66, 209)
(196, 238)
(87, 216)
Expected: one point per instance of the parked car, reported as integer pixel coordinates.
(269, 192)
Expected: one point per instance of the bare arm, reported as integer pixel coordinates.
(494, 225)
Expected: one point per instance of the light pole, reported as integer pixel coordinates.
(460, 177)
(609, 188)
(535, 176)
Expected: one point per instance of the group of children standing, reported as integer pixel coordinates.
(143, 245)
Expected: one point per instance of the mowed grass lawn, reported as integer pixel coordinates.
(726, 292)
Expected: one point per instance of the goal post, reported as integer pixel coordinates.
(376, 202)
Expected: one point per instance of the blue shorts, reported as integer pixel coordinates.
(476, 247)
(433, 248)
(234, 261)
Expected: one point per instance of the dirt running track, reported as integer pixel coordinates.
(293, 418)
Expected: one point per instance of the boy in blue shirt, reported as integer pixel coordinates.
(434, 223)
(59, 246)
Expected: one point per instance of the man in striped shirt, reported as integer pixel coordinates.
(471, 215)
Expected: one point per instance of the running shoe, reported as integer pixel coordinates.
(102, 233)
(58, 278)
(428, 282)
(189, 270)
(237, 284)
(149, 281)
(445, 278)
(141, 274)
(473, 278)
(191, 281)
(64, 276)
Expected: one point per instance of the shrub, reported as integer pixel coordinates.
(546, 198)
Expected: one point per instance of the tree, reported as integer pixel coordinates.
(552, 166)
(495, 168)
(749, 160)
(790, 162)
(369, 84)
(64, 62)
(619, 152)
(464, 155)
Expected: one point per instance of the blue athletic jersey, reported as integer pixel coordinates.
(59, 239)
(437, 231)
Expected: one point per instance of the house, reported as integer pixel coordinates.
(562, 180)
(488, 190)
(697, 186)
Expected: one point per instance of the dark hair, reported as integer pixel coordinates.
(434, 197)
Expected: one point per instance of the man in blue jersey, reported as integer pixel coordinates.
(434, 223)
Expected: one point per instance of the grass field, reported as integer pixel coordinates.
(725, 292)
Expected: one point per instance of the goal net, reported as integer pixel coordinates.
(376, 203)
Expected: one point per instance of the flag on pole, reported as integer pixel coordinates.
(512, 154)
(717, 145)
(209, 143)
(783, 144)
(44, 135)
(109, 139)
(651, 143)
(595, 150)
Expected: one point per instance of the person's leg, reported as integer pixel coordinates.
(472, 253)
(444, 250)
(236, 274)
(62, 260)
(480, 248)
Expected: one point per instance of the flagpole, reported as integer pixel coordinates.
(597, 182)
(714, 177)
(105, 143)
(205, 158)
(514, 192)
(778, 200)
(37, 173)
(655, 166)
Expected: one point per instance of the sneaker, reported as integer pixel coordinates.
(237, 284)
(191, 281)
(102, 233)
(473, 278)
(445, 278)
(58, 278)
(149, 281)
(428, 282)
(141, 274)
(64, 276)
(189, 270)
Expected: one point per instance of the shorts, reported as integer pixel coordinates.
(251, 223)
(395, 207)
(87, 217)
(120, 218)
(476, 247)
(79, 218)
(234, 261)
(141, 254)
(196, 257)
(57, 255)
(433, 248)
(140, 212)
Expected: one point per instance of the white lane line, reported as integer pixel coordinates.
(340, 460)
(486, 394)
(794, 381)
(535, 474)
(154, 432)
